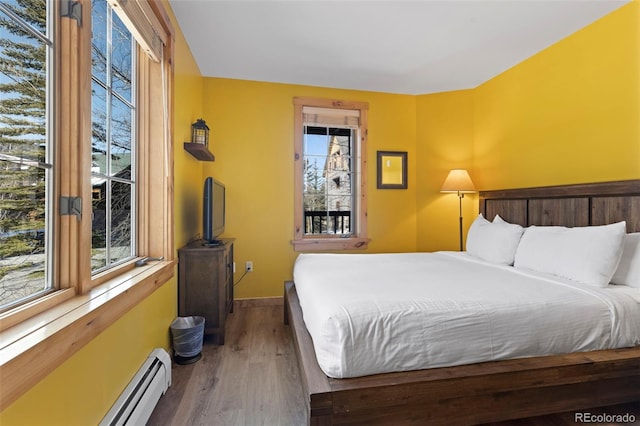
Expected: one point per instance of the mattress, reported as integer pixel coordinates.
(377, 313)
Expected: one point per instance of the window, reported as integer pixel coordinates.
(26, 166)
(73, 103)
(330, 175)
(113, 148)
(82, 195)
(328, 196)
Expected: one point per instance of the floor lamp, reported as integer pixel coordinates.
(458, 181)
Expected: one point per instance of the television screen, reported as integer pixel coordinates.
(213, 217)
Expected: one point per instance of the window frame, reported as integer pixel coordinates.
(111, 93)
(358, 239)
(71, 151)
(48, 38)
(39, 335)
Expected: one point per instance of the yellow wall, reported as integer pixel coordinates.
(566, 115)
(187, 171)
(570, 114)
(252, 138)
(83, 389)
(444, 142)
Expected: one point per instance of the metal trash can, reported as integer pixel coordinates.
(188, 334)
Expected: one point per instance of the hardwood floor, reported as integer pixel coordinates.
(253, 380)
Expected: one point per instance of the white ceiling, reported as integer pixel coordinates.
(410, 47)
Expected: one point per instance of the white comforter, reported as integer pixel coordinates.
(375, 313)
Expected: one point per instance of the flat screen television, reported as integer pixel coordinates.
(214, 212)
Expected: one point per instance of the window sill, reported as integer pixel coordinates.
(32, 349)
(330, 243)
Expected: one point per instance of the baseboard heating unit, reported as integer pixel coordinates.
(137, 401)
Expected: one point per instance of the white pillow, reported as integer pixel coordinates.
(500, 221)
(493, 242)
(628, 272)
(588, 255)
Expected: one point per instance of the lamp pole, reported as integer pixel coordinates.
(460, 197)
(458, 181)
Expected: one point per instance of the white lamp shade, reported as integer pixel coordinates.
(459, 181)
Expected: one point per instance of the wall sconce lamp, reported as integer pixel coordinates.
(200, 132)
(458, 181)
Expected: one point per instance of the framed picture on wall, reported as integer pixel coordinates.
(392, 170)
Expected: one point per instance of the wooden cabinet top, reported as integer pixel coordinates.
(199, 245)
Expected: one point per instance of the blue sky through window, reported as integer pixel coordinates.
(316, 147)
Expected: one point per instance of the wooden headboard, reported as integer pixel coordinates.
(567, 205)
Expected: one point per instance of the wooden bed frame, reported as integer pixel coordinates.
(488, 391)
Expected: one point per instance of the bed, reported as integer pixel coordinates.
(477, 391)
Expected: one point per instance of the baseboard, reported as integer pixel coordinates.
(258, 302)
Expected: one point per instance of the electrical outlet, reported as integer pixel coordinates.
(248, 267)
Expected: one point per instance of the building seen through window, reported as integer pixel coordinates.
(328, 178)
